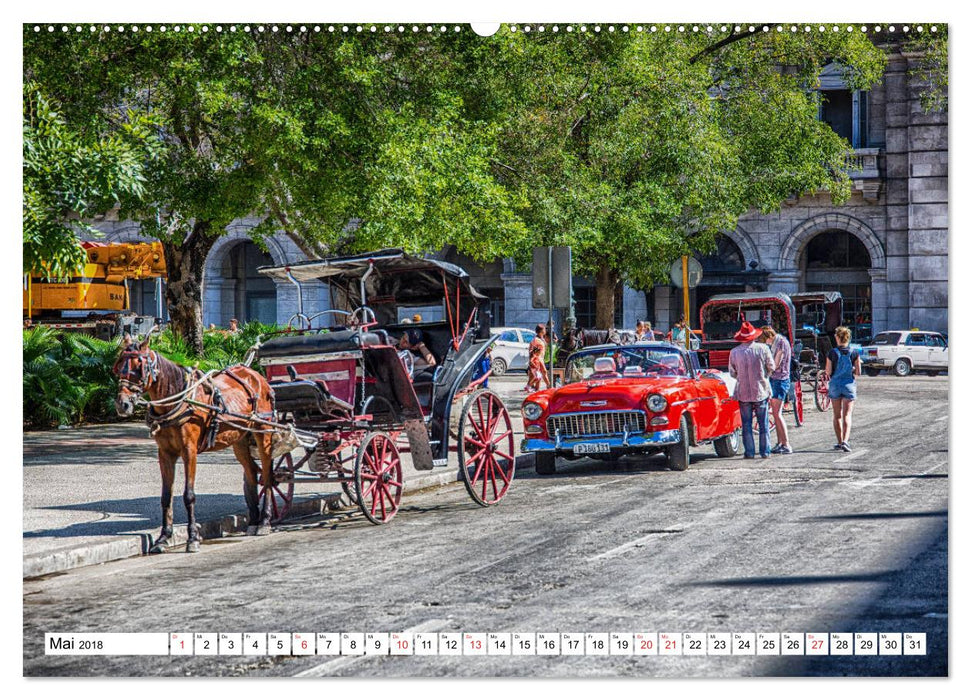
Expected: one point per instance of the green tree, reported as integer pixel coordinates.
(930, 65)
(636, 147)
(309, 131)
(418, 165)
(229, 143)
(631, 147)
(69, 176)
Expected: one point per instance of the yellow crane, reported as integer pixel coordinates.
(100, 288)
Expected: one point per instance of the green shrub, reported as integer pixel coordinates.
(68, 377)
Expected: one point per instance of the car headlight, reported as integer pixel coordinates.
(657, 403)
(532, 411)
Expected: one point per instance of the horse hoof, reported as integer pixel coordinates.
(158, 547)
(252, 530)
(264, 530)
(192, 546)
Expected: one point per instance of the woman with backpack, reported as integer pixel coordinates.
(842, 368)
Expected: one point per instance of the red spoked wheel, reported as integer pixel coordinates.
(345, 469)
(281, 488)
(821, 394)
(797, 402)
(486, 448)
(377, 476)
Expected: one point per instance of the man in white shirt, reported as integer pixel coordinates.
(751, 364)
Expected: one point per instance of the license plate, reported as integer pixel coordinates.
(589, 448)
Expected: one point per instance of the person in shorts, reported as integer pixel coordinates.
(842, 368)
(780, 384)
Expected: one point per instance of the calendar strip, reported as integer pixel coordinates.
(397, 644)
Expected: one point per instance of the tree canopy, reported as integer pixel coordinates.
(632, 147)
(69, 176)
(636, 148)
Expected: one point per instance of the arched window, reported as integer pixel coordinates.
(836, 250)
(726, 258)
(839, 261)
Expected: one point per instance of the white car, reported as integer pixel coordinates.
(511, 350)
(902, 352)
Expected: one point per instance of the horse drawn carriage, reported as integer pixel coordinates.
(722, 316)
(357, 396)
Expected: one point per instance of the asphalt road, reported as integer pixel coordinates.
(818, 541)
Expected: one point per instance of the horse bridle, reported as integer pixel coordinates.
(148, 361)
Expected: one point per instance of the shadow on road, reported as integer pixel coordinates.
(880, 516)
(138, 514)
(914, 599)
(585, 466)
(911, 599)
(773, 581)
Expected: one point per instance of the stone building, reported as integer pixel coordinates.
(885, 249)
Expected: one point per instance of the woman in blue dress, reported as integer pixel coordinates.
(842, 368)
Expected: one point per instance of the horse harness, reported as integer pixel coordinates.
(187, 404)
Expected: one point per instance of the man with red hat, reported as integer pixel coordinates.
(751, 364)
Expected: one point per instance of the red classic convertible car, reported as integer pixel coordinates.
(625, 399)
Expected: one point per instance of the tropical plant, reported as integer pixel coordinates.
(67, 378)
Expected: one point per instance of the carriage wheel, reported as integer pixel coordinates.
(486, 448)
(281, 492)
(350, 490)
(821, 394)
(346, 471)
(377, 476)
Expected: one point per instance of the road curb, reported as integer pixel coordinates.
(139, 543)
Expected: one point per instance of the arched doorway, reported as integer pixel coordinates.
(253, 295)
(836, 260)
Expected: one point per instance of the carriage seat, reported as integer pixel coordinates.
(336, 341)
(303, 395)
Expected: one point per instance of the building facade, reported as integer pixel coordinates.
(885, 250)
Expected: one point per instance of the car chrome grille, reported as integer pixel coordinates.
(596, 424)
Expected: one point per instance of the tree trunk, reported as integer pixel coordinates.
(607, 279)
(184, 265)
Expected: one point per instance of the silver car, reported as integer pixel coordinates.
(511, 350)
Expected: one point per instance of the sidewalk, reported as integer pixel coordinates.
(91, 494)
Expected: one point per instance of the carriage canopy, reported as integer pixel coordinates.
(823, 311)
(398, 279)
(722, 315)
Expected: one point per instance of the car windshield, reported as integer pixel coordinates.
(611, 363)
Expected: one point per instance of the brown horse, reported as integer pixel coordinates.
(182, 429)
